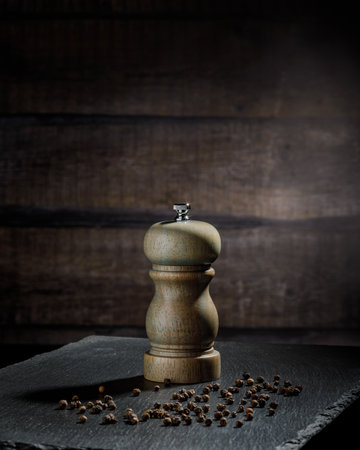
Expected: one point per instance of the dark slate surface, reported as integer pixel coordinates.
(30, 391)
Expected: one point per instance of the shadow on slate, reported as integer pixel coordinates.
(114, 388)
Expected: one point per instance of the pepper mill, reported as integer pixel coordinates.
(182, 321)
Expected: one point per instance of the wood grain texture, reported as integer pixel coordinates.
(267, 276)
(262, 168)
(235, 66)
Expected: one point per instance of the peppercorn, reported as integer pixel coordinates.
(186, 411)
(260, 379)
(223, 392)
(296, 391)
(96, 409)
(175, 421)
(136, 392)
(112, 405)
(254, 396)
(246, 375)
(82, 419)
(282, 390)
(233, 414)
(201, 417)
(276, 377)
(192, 392)
(267, 386)
(250, 381)
(128, 412)
(299, 387)
(248, 394)
(206, 390)
(262, 402)
(287, 383)
(188, 420)
(75, 398)
(157, 405)
(233, 389)
(289, 391)
(205, 398)
(276, 383)
(208, 421)
(216, 387)
(218, 415)
(167, 381)
(229, 400)
(89, 405)
(249, 416)
(220, 407)
(82, 409)
(274, 389)
(107, 398)
(167, 421)
(271, 411)
(110, 418)
(72, 405)
(226, 412)
(197, 410)
(175, 396)
(243, 401)
(197, 398)
(274, 405)
(249, 411)
(258, 387)
(63, 404)
(191, 406)
(240, 409)
(223, 422)
(239, 423)
(254, 403)
(156, 387)
(239, 382)
(145, 416)
(206, 408)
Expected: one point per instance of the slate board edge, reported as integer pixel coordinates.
(322, 420)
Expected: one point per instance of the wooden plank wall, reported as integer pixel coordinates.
(111, 111)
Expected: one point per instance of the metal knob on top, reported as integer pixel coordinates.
(182, 210)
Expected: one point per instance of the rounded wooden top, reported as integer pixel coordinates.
(182, 243)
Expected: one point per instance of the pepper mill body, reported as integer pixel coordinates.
(182, 321)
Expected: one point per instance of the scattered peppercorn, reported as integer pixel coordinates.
(271, 411)
(226, 412)
(134, 420)
(233, 414)
(74, 398)
(239, 423)
(240, 409)
(167, 421)
(201, 417)
(287, 383)
(188, 420)
(107, 398)
(197, 398)
(145, 416)
(223, 392)
(82, 419)
(249, 411)
(197, 410)
(260, 379)
(218, 415)
(220, 406)
(208, 422)
(63, 404)
(249, 416)
(276, 377)
(206, 390)
(223, 421)
(206, 408)
(109, 419)
(156, 387)
(262, 402)
(274, 405)
(82, 409)
(250, 381)
(89, 405)
(205, 398)
(175, 421)
(243, 401)
(239, 383)
(96, 409)
(254, 403)
(216, 386)
(112, 405)
(136, 392)
(229, 400)
(246, 375)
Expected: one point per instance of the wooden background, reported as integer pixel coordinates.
(111, 111)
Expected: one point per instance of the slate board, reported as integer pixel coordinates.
(30, 391)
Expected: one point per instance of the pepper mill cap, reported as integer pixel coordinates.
(182, 241)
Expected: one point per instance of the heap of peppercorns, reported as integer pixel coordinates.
(188, 406)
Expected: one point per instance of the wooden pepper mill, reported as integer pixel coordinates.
(182, 321)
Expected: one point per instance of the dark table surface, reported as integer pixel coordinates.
(30, 391)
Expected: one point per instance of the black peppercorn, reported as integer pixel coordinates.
(188, 420)
(208, 422)
(229, 400)
(82, 419)
(205, 398)
(274, 405)
(63, 404)
(111, 405)
(249, 416)
(271, 411)
(206, 408)
(175, 421)
(197, 410)
(276, 377)
(89, 405)
(136, 392)
(244, 401)
(220, 406)
(260, 379)
(240, 409)
(197, 398)
(107, 398)
(167, 421)
(226, 412)
(223, 422)
(206, 390)
(239, 383)
(110, 418)
(287, 383)
(145, 416)
(223, 392)
(82, 409)
(246, 375)
(254, 403)
(216, 386)
(262, 402)
(218, 415)
(250, 381)
(239, 423)
(201, 418)
(233, 414)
